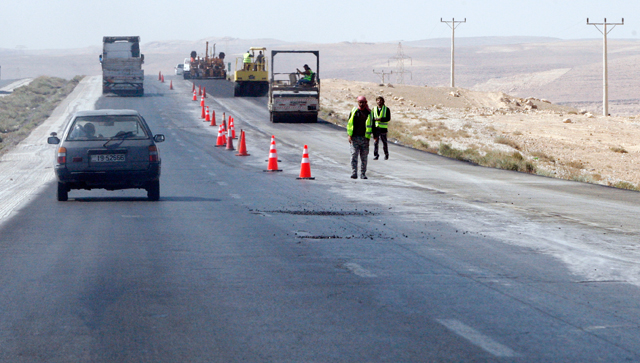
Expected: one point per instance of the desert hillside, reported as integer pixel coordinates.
(557, 141)
(564, 72)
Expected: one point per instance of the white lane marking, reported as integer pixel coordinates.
(204, 166)
(222, 183)
(358, 270)
(477, 338)
(212, 174)
(131, 216)
(236, 196)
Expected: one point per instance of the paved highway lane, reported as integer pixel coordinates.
(234, 264)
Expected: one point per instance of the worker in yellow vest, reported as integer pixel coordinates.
(359, 128)
(247, 60)
(381, 116)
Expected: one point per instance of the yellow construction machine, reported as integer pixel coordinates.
(252, 78)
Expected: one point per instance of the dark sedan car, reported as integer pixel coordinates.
(107, 149)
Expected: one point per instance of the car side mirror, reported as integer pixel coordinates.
(53, 139)
(158, 138)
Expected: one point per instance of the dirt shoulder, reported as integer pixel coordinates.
(556, 140)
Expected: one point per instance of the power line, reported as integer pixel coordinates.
(400, 57)
(605, 72)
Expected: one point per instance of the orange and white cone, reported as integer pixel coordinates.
(195, 96)
(224, 124)
(229, 140)
(220, 141)
(199, 90)
(162, 80)
(193, 88)
(242, 148)
(232, 127)
(204, 92)
(202, 101)
(305, 166)
(273, 156)
(207, 117)
(171, 85)
(213, 118)
(203, 114)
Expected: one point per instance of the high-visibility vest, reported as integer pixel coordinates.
(381, 114)
(309, 77)
(368, 130)
(247, 58)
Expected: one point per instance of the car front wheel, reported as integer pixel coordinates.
(153, 190)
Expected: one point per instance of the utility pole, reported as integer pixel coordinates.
(400, 57)
(605, 72)
(454, 24)
(383, 74)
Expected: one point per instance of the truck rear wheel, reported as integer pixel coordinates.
(237, 90)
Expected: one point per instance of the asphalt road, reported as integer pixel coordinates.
(430, 260)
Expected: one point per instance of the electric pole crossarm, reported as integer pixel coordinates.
(605, 71)
(454, 24)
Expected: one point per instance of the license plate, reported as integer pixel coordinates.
(107, 158)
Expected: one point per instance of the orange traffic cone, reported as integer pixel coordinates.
(195, 97)
(204, 92)
(163, 78)
(213, 118)
(224, 124)
(273, 156)
(305, 166)
(229, 141)
(221, 141)
(207, 118)
(199, 90)
(202, 101)
(242, 148)
(232, 127)
(159, 76)
(202, 116)
(171, 85)
(194, 87)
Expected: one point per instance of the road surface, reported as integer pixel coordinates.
(429, 259)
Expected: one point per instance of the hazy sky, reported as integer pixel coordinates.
(46, 24)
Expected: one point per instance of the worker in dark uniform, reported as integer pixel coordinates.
(359, 128)
(381, 116)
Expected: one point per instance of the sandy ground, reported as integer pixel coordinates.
(562, 142)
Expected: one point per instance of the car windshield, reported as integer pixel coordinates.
(106, 127)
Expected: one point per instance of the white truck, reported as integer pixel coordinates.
(290, 101)
(122, 72)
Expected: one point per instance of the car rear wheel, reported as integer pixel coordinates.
(153, 190)
(63, 193)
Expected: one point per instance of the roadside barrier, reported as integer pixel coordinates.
(213, 118)
(273, 157)
(305, 166)
(229, 141)
(242, 147)
(232, 127)
(221, 139)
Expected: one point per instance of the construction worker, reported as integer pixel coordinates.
(359, 128)
(259, 62)
(381, 116)
(308, 76)
(247, 60)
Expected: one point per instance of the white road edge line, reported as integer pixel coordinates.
(477, 338)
